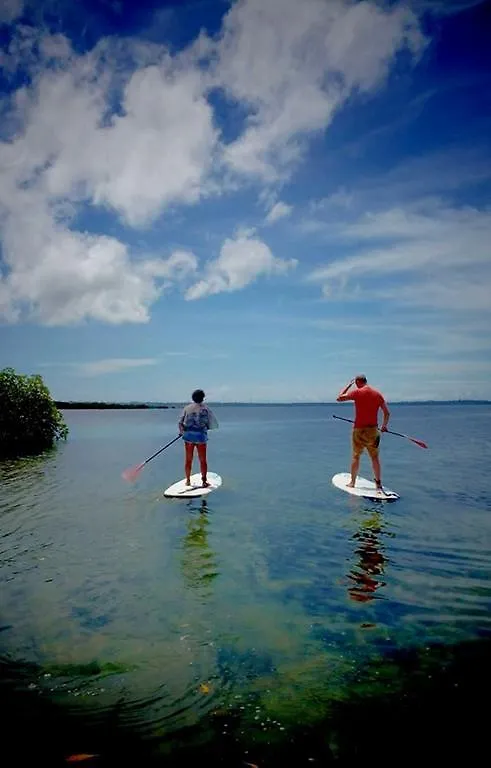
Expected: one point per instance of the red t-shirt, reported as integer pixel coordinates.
(367, 403)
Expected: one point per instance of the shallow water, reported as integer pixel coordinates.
(267, 599)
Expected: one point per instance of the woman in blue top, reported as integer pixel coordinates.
(196, 419)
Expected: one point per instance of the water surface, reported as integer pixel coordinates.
(262, 606)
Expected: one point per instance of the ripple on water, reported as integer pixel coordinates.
(273, 585)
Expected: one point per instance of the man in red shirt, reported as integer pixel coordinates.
(365, 429)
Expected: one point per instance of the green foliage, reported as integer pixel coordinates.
(30, 422)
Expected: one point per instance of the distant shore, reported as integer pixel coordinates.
(89, 405)
(66, 405)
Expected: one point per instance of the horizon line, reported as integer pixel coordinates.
(271, 402)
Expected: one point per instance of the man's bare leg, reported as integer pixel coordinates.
(377, 471)
(355, 465)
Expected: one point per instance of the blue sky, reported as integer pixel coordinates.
(260, 198)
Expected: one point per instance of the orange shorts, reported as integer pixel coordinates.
(365, 437)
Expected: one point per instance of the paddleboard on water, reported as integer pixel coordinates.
(182, 491)
(363, 488)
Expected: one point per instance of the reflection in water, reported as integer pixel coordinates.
(25, 473)
(198, 562)
(366, 575)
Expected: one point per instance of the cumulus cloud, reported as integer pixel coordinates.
(10, 10)
(70, 153)
(278, 211)
(241, 261)
(294, 64)
(61, 276)
(129, 128)
(167, 138)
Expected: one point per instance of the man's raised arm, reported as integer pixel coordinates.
(342, 395)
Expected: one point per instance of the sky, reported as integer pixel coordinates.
(260, 198)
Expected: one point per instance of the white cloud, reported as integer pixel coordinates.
(441, 172)
(456, 293)
(341, 199)
(178, 266)
(277, 212)
(442, 369)
(294, 64)
(136, 165)
(61, 277)
(128, 127)
(155, 153)
(112, 365)
(443, 253)
(444, 7)
(167, 138)
(241, 261)
(423, 180)
(10, 10)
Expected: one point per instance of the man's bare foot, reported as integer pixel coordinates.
(351, 484)
(206, 484)
(188, 482)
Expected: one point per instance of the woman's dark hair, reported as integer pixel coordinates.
(198, 396)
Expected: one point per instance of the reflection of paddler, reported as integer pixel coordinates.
(198, 559)
(370, 566)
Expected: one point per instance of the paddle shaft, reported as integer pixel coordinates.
(399, 434)
(161, 449)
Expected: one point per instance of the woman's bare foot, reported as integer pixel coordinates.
(351, 484)
(188, 482)
(206, 484)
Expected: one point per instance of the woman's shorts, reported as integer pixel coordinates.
(196, 438)
(366, 437)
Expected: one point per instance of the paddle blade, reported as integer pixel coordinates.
(132, 473)
(418, 442)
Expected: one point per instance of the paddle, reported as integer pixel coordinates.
(132, 473)
(399, 434)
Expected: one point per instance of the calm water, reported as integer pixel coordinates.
(238, 618)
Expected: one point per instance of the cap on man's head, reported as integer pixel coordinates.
(360, 377)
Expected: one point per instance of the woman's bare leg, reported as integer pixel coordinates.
(189, 447)
(203, 463)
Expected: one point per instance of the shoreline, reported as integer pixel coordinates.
(101, 405)
(70, 405)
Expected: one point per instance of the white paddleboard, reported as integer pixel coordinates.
(364, 488)
(182, 491)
